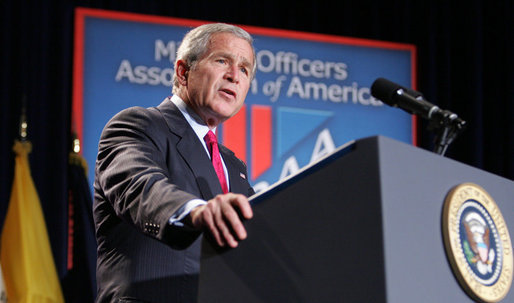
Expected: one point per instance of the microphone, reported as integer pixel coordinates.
(409, 100)
(447, 124)
(413, 102)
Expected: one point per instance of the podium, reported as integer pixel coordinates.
(361, 225)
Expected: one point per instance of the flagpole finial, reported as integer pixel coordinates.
(74, 156)
(23, 119)
(75, 143)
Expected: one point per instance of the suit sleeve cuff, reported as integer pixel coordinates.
(181, 213)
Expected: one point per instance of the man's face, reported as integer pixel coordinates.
(217, 85)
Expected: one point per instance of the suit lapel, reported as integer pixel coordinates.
(191, 150)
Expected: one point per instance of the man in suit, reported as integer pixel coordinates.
(161, 178)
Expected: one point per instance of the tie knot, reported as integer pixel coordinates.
(210, 138)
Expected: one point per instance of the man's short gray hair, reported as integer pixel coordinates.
(195, 43)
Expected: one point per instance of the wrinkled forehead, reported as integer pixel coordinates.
(227, 42)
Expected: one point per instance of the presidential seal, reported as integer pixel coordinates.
(477, 243)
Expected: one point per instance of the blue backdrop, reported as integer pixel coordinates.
(313, 89)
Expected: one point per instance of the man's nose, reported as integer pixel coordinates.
(232, 74)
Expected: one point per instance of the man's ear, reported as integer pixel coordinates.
(181, 72)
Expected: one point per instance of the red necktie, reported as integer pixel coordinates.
(212, 145)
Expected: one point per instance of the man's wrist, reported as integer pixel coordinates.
(182, 216)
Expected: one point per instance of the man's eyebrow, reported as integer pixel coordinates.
(221, 54)
(230, 56)
(246, 62)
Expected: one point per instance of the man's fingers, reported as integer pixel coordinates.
(225, 233)
(222, 228)
(212, 226)
(244, 206)
(231, 217)
(240, 203)
(203, 217)
(220, 217)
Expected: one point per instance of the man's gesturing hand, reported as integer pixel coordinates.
(220, 218)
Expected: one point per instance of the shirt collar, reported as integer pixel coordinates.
(193, 119)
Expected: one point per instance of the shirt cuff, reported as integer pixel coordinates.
(181, 213)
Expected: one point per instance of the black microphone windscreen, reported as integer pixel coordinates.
(385, 90)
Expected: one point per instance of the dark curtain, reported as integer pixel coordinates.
(465, 65)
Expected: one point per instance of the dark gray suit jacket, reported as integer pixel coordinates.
(150, 162)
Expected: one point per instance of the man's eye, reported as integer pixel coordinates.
(222, 61)
(244, 70)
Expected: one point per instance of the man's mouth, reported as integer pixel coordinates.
(229, 92)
